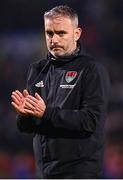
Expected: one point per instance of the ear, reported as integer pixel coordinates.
(77, 33)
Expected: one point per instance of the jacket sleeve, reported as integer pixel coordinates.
(93, 105)
(27, 124)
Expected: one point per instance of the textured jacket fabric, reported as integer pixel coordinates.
(69, 139)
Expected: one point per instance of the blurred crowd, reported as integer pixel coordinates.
(22, 42)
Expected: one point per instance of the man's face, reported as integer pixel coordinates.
(61, 36)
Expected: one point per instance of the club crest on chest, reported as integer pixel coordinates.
(70, 76)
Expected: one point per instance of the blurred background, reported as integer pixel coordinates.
(22, 42)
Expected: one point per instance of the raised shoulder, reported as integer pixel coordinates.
(91, 63)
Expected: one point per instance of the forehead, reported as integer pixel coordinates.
(58, 22)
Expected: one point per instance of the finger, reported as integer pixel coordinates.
(16, 96)
(18, 109)
(29, 106)
(25, 93)
(32, 98)
(34, 113)
(37, 96)
(19, 94)
(15, 100)
(29, 111)
(32, 102)
(15, 106)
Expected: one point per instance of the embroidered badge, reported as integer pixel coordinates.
(70, 76)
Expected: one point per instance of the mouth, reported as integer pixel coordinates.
(56, 48)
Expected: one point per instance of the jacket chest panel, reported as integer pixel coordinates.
(57, 86)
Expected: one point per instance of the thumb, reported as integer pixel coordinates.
(37, 96)
(25, 93)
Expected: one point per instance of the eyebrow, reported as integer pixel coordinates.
(61, 31)
(57, 32)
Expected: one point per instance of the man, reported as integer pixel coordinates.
(64, 104)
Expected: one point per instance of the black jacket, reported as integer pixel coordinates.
(69, 139)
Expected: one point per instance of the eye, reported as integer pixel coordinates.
(49, 33)
(61, 33)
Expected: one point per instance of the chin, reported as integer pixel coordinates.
(58, 54)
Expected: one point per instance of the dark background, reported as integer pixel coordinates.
(22, 42)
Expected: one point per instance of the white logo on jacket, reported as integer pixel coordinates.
(39, 84)
(69, 86)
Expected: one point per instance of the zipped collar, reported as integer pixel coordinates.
(62, 61)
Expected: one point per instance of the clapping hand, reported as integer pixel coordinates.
(27, 105)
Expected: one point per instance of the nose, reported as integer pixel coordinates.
(54, 39)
